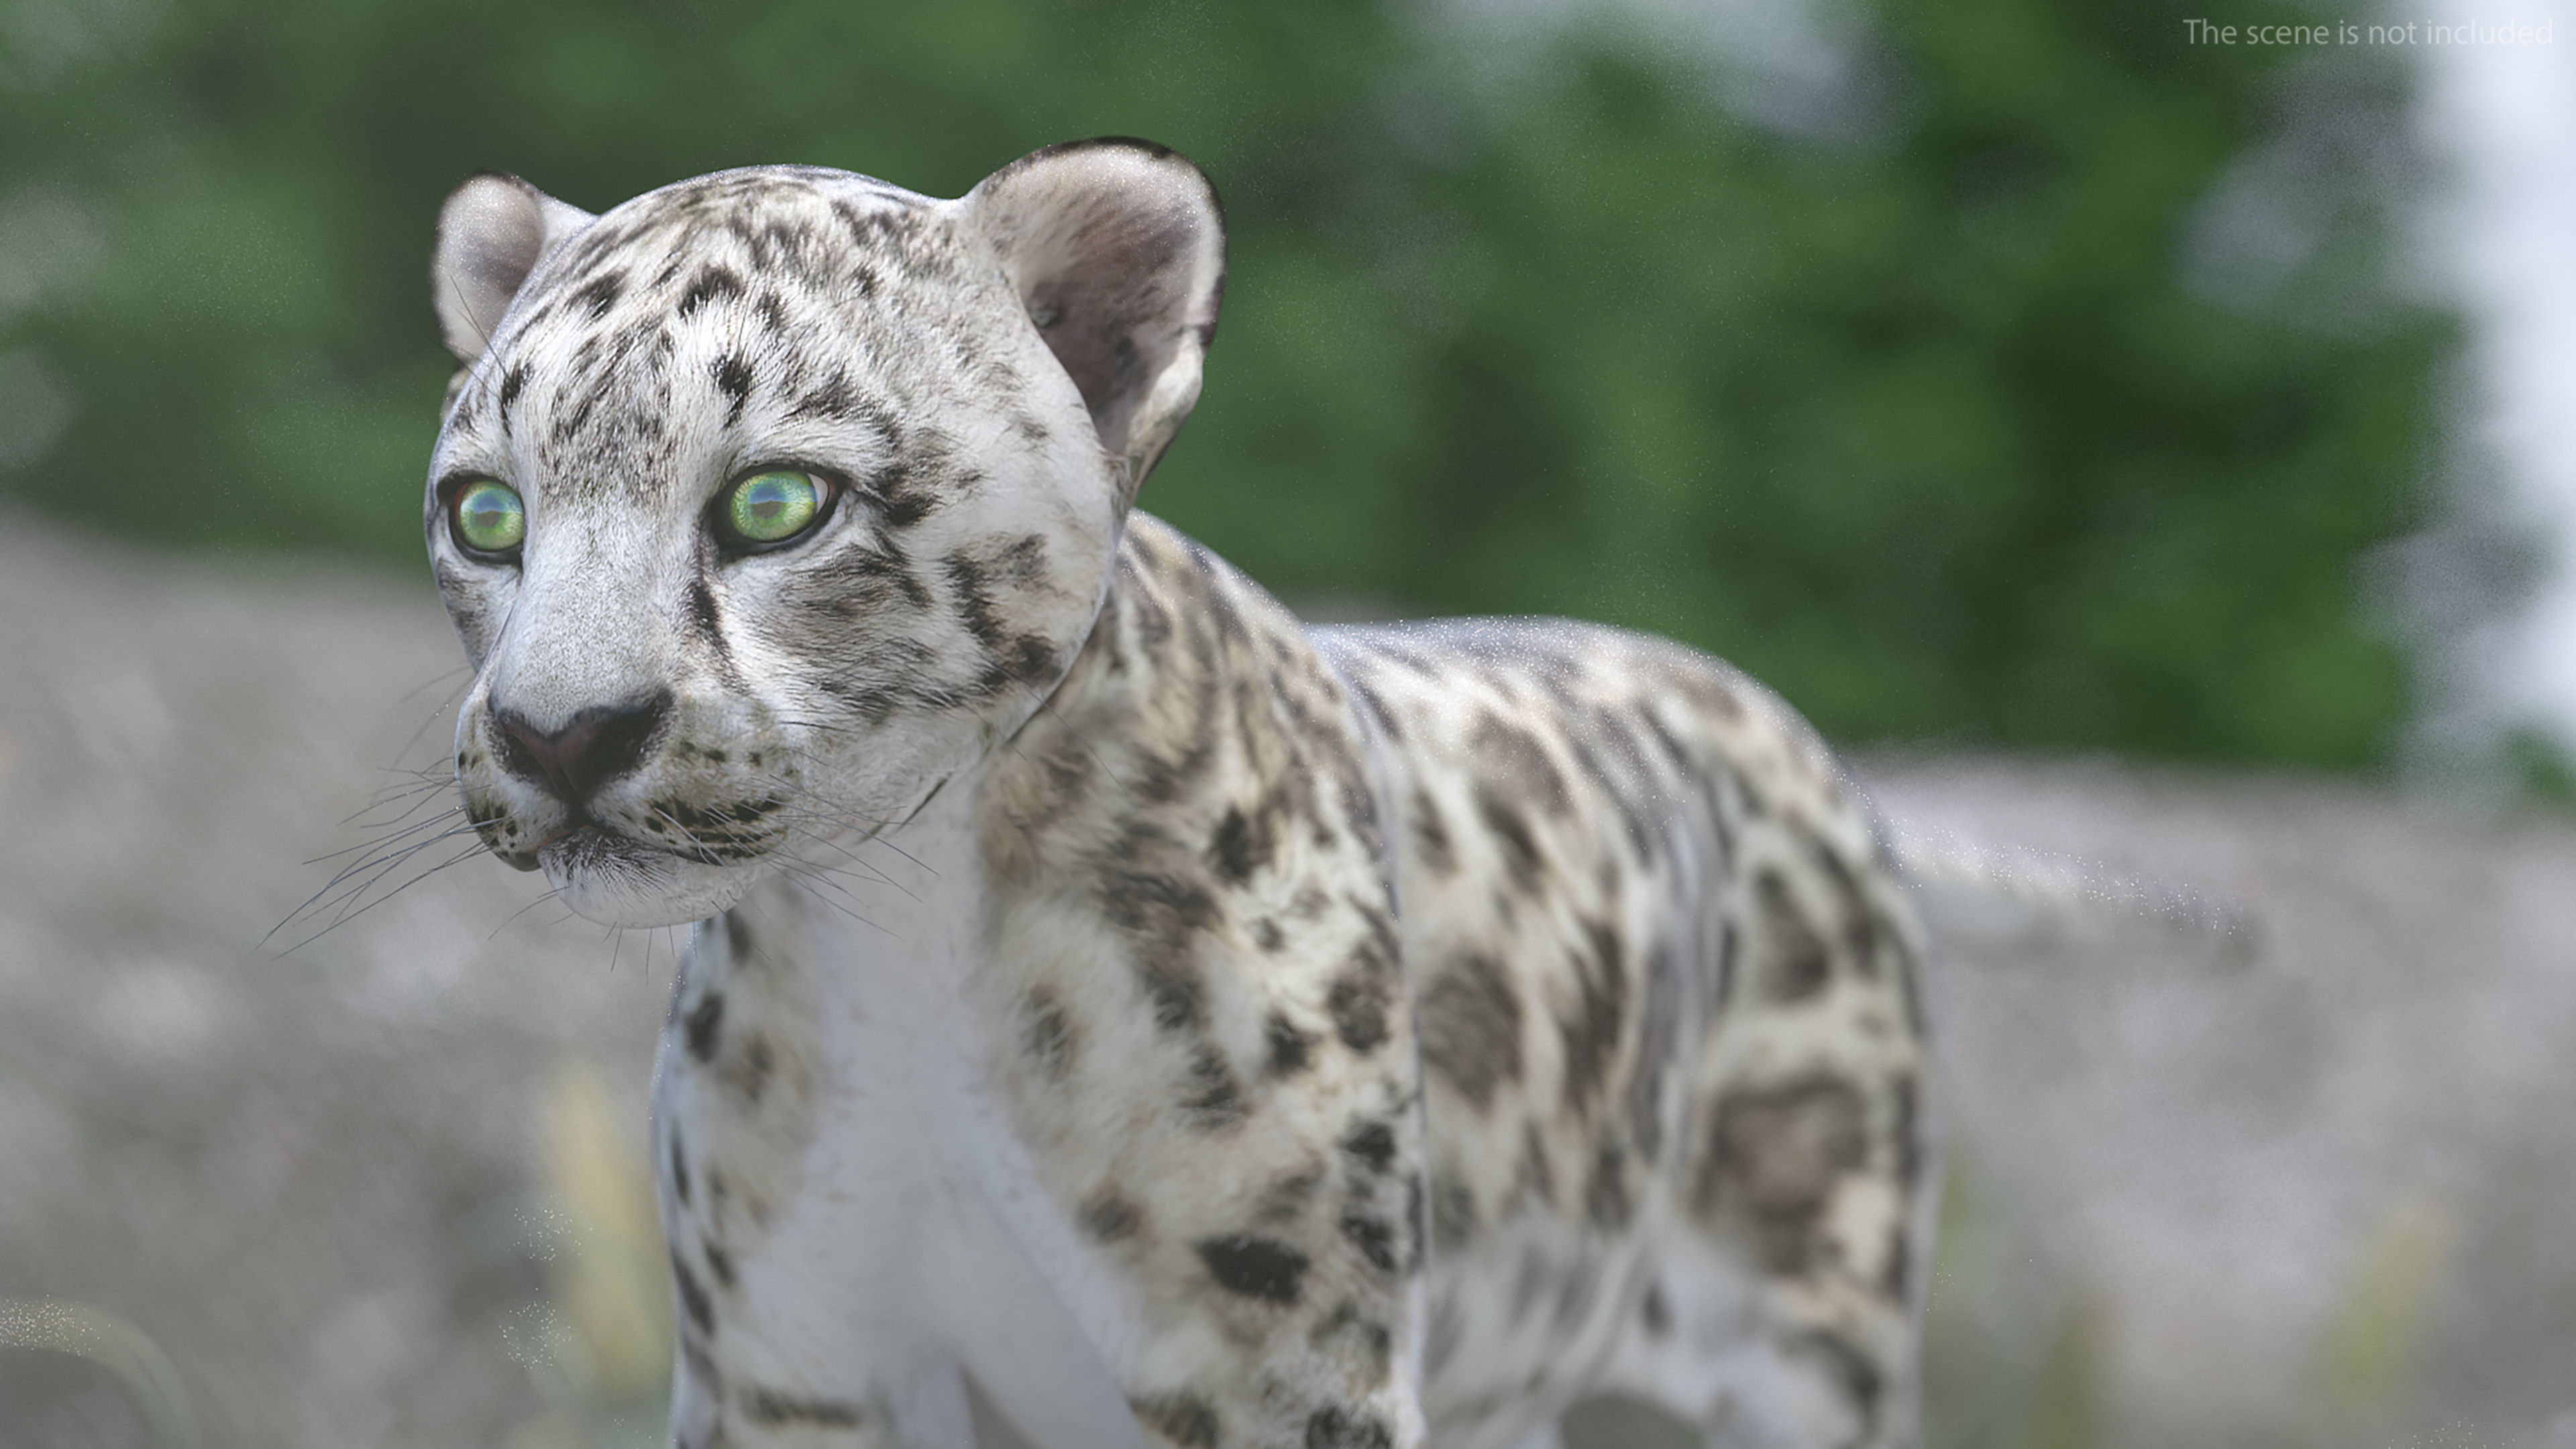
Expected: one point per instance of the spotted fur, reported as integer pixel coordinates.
(1119, 1014)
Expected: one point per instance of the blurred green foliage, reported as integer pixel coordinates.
(1910, 371)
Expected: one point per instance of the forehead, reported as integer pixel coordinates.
(766, 298)
(778, 225)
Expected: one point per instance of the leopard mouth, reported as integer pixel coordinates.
(588, 846)
(617, 880)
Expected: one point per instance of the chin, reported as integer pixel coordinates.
(620, 882)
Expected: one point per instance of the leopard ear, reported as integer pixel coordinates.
(491, 232)
(1117, 248)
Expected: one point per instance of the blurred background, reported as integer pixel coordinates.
(2152, 448)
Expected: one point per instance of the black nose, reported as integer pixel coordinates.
(597, 746)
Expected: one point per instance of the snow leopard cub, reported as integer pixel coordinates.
(1119, 1014)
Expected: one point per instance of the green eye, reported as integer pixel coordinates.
(489, 517)
(773, 507)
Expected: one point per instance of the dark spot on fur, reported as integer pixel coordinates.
(832, 398)
(862, 580)
(1385, 718)
(1605, 1193)
(1774, 1157)
(679, 1170)
(1374, 1338)
(1909, 983)
(899, 502)
(1336, 1426)
(693, 1295)
(1431, 835)
(769, 1406)
(1372, 1144)
(1358, 1002)
(1290, 1048)
(1161, 915)
(1908, 1132)
(973, 600)
(1185, 1419)
(1896, 1281)
(1029, 660)
(1863, 1384)
(1657, 1314)
(1470, 1026)
(1373, 1237)
(733, 378)
(703, 613)
(600, 293)
(1722, 971)
(1711, 692)
(1795, 964)
(1359, 807)
(1047, 1034)
(1861, 927)
(705, 1027)
(1513, 757)
(1288, 1195)
(1591, 1034)
(1111, 1216)
(1750, 800)
(1267, 935)
(1674, 750)
(1512, 832)
(1241, 846)
(1658, 1039)
(702, 1364)
(753, 1077)
(719, 1262)
(1255, 1267)
(1535, 1179)
(591, 380)
(710, 283)
(1214, 1102)
(513, 382)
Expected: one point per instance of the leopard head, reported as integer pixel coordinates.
(766, 503)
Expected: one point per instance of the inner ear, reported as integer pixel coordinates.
(492, 231)
(1117, 249)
